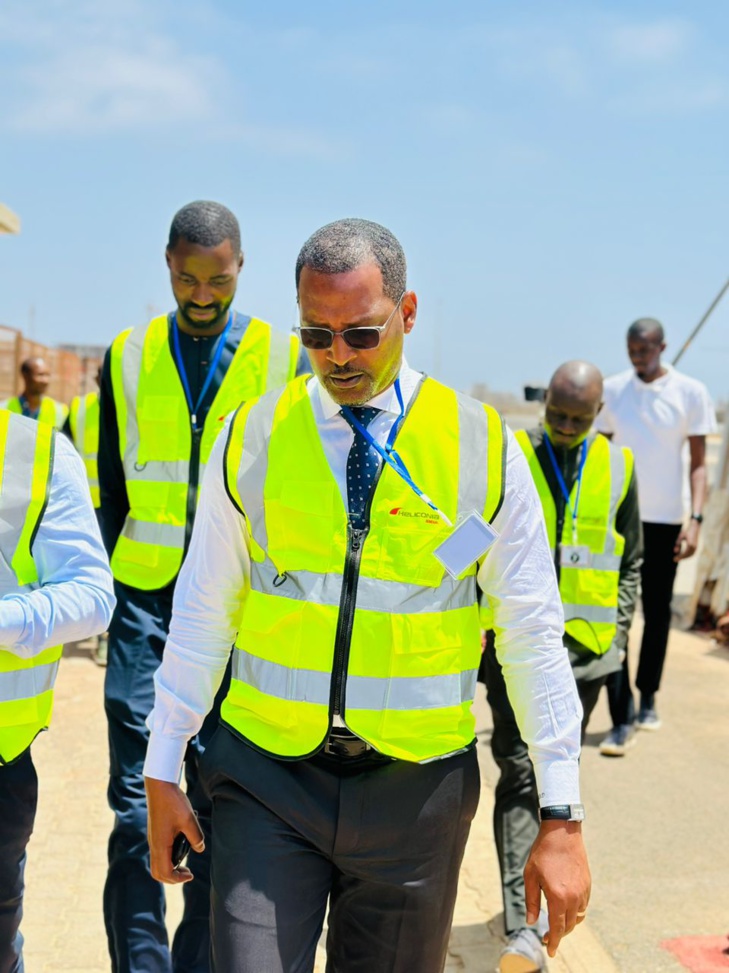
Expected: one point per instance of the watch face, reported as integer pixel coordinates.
(578, 813)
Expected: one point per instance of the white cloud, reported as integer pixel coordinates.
(674, 98)
(102, 88)
(450, 117)
(97, 67)
(551, 56)
(658, 42)
(86, 68)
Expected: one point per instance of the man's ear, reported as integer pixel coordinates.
(409, 307)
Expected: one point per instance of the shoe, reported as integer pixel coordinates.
(523, 953)
(618, 740)
(648, 719)
(100, 651)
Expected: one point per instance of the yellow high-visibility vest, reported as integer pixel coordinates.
(589, 589)
(84, 420)
(381, 609)
(26, 685)
(156, 441)
(51, 412)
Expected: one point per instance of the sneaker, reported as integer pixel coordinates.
(648, 719)
(523, 953)
(618, 740)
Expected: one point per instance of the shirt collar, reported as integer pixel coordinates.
(658, 383)
(385, 401)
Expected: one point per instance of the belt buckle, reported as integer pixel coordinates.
(340, 746)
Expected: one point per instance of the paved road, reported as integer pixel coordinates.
(656, 834)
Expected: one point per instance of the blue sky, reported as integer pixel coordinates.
(553, 170)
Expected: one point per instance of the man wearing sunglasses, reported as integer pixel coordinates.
(347, 528)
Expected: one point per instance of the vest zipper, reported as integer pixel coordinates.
(192, 484)
(348, 601)
(355, 539)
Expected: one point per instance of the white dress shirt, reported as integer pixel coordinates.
(74, 596)
(517, 575)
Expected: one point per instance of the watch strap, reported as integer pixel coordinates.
(562, 812)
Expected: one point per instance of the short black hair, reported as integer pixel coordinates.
(206, 224)
(347, 244)
(645, 328)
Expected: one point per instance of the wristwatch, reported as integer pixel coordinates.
(699, 518)
(562, 812)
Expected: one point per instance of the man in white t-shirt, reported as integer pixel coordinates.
(655, 410)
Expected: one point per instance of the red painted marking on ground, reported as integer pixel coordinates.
(700, 954)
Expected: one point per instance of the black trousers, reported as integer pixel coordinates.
(380, 840)
(657, 577)
(516, 807)
(18, 802)
(134, 902)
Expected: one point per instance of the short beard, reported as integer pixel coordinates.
(205, 325)
(364, 396)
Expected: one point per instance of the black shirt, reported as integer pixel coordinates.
(197, 352)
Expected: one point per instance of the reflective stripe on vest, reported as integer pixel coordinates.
(155, 437)
(84, 421)
(414, 649)
(26, 685)
(51, 413)
(589, 591)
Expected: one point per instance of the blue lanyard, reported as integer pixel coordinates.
(388, 454)
(563, 485)
(212, 367)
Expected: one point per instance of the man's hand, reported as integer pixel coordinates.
(558, 867)
(688, 541)
(169, 812)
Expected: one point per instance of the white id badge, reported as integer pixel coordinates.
(469, 541)
(575, 556)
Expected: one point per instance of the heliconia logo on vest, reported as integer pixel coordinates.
(428, 517)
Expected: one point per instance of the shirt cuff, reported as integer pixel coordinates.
(558, 782)
(12, 623)
(165, 756)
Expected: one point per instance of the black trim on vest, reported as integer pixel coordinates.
(225, 462)
(52, 454)
(503, 468)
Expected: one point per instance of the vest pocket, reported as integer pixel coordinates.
(406, 553)
(161, 419)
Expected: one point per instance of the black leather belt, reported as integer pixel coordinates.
(345, 745)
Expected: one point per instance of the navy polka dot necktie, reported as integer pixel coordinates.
(363, 463)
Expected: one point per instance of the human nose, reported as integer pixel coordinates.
(340, 353)
(202, 294)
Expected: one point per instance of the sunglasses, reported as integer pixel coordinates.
(358, 338)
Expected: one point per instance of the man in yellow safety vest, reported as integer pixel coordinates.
(82, 428)
(590, 501)
(55, 587)
(33, 401)
(166, 388)
(344, 770)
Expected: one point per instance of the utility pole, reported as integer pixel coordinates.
(9, 222)
(701, 323)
